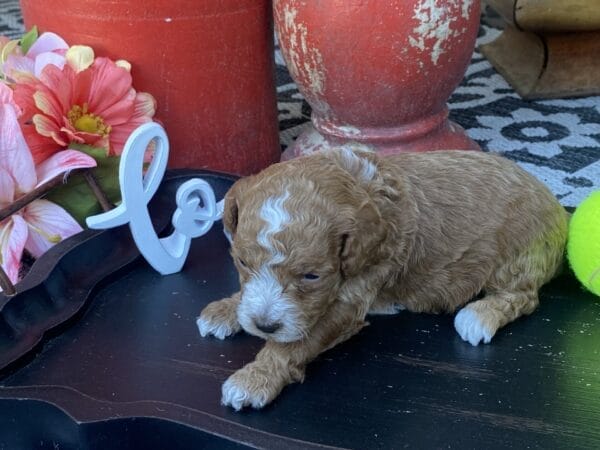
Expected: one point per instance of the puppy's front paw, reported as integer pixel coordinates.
(250, 386)
(472, 327)
(219, 319)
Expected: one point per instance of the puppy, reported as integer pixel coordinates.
(322, 241)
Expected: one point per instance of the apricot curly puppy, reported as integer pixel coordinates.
(322, 241)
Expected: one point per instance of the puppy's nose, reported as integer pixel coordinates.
(267, 327)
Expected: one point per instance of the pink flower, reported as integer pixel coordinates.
(81, 103)
(6, 47)
(49, 48)
(41, 224)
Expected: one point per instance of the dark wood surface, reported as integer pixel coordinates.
(130, 370)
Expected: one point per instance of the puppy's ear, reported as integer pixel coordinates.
(230, 217)
(231, 209)
(360, 242)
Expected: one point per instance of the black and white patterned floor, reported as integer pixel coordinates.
(556, 140)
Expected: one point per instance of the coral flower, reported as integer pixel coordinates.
(89, 101)
(41, 224)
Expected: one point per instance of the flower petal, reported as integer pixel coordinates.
(60, 84)
(8, 47)
(121, 111)
(81, 137)
(6, 94)
(41, 147)
(15, 155)
(82, 86)
(62, 162)
(23, 97)
(45, 125)
(45, 59)
(120, 134)
(144, 108)
(18, 64)
(80, 57)
(109, 84)
(48, 225)
(124, 64)
(145, 105)
(13, 235)
(47, 42)
(7, 188)
(47, 104)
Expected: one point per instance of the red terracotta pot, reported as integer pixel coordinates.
(378, 71)
(209, 63)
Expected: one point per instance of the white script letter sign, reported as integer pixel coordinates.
(168, 254)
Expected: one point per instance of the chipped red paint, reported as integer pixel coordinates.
(208, 63)
(378, 71)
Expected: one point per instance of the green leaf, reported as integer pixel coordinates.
(28, 39)
(77, 197)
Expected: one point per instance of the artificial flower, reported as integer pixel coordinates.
(91, 104)
(49, 48)
(7, 48)
(41, 224)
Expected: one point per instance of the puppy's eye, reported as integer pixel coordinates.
(242, 263)
(310, 276)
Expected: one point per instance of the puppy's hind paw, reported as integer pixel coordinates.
(471, 327)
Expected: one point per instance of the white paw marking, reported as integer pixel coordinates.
(236, 395)
(219, 330)
(470, 327)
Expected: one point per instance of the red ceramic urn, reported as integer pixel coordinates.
(378, 72)
(209, 64)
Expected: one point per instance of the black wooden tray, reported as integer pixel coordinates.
(99, 351)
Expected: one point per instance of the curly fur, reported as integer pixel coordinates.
(425, 232)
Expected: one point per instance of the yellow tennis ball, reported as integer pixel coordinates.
(583, 246)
